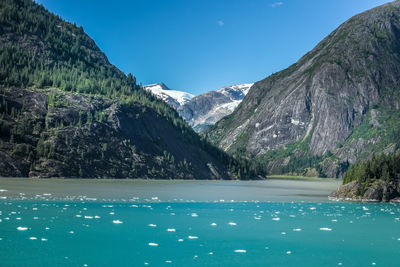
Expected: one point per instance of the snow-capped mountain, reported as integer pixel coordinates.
(173, 97)
(205, 110)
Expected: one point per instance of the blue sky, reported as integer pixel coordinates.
(202, 45)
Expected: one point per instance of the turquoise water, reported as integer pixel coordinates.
(72, 233)
(191, 223)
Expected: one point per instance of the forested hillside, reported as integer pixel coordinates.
(67, 112)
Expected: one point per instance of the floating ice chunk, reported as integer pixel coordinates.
(168, 261)
(88, 217)
(171, 230)
(325, 229)
(112, 213)
(117, 221)
(297, 230)
(43, 239)
(232, 223)
(97, 217)
(78, 215)
(213, 224)
(193, 237)
(47, 228)
(334, 220)
(276, 219)
(240, 251)
(21, 228)
(154, 198)
(32, 238)
(210, 253)
(153, 244)
(194, 215)
(180, 240)
(288, 252)
(35, 218)
(3, 190)
(283, 233)
(134, 206)
(3, 197)
(398, 239)
(18, 218)
(71, 232)
(365, 208)
(374, 263)
(313, 208)
(152, 225)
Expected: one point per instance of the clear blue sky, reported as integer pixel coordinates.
(202, 45)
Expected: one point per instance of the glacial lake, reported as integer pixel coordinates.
(191, 223)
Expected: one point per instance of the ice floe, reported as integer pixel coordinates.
(117, 221)
(240, 251)
(171, 230)
(325, 229)
(153, 244)
(232, 223)
(193, 237)
(22, 228)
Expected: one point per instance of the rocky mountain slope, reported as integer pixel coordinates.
(205, 110)
(174, 98)
(65, 111)
(337, 105)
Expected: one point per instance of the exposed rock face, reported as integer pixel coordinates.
(350, 79)
(375, 191)
(75, 135)
(205, 110)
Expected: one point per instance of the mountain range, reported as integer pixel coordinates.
(204, 110)
(338, 105)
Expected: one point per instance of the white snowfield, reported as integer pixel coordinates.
(163, 92)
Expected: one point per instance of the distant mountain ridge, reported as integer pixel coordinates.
(204, 110)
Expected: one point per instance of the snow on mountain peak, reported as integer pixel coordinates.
(172, 97)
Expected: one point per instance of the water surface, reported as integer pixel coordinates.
(189, 223)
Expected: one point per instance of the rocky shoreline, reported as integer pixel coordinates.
(375, 191)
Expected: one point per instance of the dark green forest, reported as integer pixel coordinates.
(385, 167)
(40, 51)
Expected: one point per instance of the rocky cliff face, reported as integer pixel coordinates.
(50, 133)
(338, 104)
(376, 191)
(205, 110)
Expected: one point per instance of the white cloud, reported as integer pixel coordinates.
(276, 4)
(220, 23)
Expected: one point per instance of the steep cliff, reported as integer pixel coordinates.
(339, 104)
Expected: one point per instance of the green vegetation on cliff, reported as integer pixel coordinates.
(384, 167)
(65, 111)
